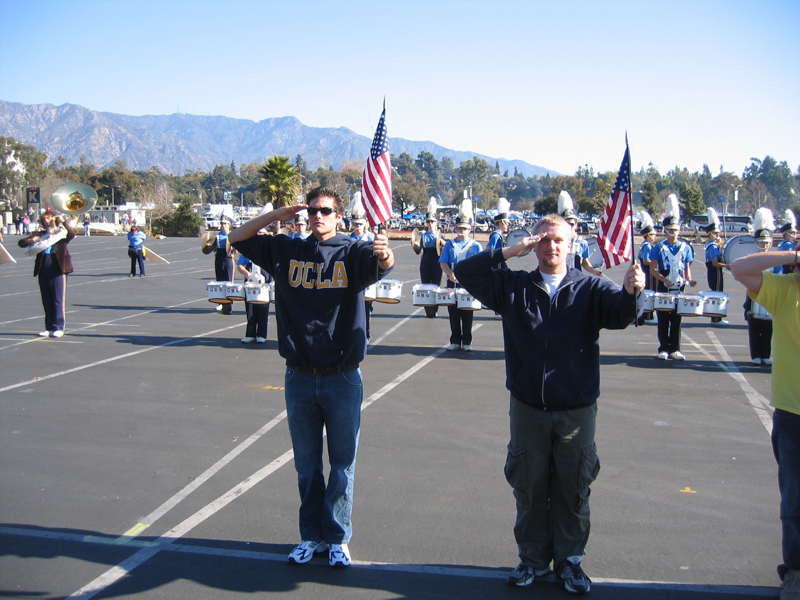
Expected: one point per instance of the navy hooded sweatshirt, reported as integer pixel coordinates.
(319, 295)
(551, 346)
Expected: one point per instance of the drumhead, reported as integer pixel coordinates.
(517, 236)
(595, 256)
(737, 247)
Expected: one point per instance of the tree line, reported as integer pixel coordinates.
(279, 179)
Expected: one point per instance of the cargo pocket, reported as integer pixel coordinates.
(516, 471)
(587, 473)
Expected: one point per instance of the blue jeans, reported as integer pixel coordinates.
(786, 446)
(332, 401)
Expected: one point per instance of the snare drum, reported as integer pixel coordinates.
(257, 293)
(446, 296)
(690, 305)
(664, 301)
(234, 292)
(466, 301)
(716, 304)
(216, 292)
(370, 292)
(424, 294)
(649, 300)
(389, 291)
(759, 312)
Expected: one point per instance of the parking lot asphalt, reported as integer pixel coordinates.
(146, 455)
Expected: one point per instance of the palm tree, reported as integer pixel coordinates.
(279, 181)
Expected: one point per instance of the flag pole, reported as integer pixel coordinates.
(630, 194)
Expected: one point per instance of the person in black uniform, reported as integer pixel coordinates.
(714, 263)
(257, 314)
(52, 266)
(223, 260)
(430, 271)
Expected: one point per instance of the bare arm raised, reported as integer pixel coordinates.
(748, 269)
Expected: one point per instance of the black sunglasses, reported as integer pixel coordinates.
(325, 210)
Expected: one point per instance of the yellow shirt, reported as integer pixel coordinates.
(780, 295)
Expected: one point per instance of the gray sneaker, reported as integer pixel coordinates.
(524, 575)
(791, 586)
(575, 580)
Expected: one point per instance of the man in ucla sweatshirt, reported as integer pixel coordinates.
(319, 309)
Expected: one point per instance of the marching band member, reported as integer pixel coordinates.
(455, 251)
(257, 314)
(135, 249)
(579, 249)
(789, 231)
(714, 264)
(52, 266)
(759, 324)
(321, 335)
(223, 260)
(430, 270)
(361, 234)
(301, 226)
(673, 270)
(646, 258)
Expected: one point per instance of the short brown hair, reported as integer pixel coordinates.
(551, 220)
(325, 191)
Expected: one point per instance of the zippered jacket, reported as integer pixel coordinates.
(551, 346)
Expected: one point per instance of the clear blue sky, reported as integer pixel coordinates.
(554, 83)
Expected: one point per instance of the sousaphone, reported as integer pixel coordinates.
(74, 198)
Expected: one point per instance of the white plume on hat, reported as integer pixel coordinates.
(465, 212)
(565, 203)
(302, 216)
(646, 220)
(357, 208)
(265, 209)
(673, 208)
(763, 220)
(432, 207)
(713, 219)
(788, 216)
(503, 206)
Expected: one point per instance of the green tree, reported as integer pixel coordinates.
(650, 198)
(20, 166)
(691, 198)
(279, 181)
(182, 222)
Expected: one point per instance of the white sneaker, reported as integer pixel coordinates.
(766, 361)
(677, 356)
(663, 356)
(248, 340)
(57, 334)
(44, 334)
(467, 348)
(260, 340)
(339, 555)
(219, 306)
(305, 551)
(756, 361)
(453, 347)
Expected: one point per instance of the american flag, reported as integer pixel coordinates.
(615, 239)
(376, 185)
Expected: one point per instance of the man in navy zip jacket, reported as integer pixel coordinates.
(551, 325)
(319, 309)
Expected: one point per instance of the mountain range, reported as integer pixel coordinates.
(181, 142)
